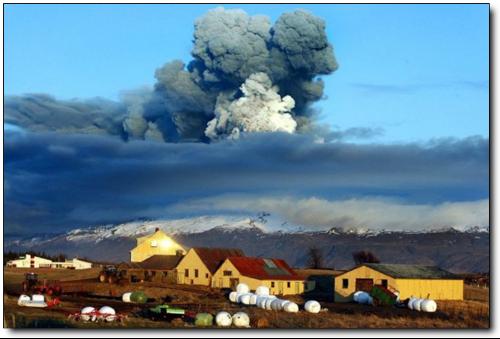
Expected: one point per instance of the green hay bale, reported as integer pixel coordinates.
(204, 319)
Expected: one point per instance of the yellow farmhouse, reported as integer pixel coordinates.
(157, 243)
(273, 273)
(409, 280)
(200, 263)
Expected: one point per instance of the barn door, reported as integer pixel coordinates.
(364, 285)
(233, 282)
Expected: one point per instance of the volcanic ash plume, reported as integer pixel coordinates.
(246, 75)
(260, 109)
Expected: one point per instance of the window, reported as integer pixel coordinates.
(186, 272)
(345, 283)
(288, 284)
(196, 273)
(384, 283)
(227, 273)
(154, 243)
(206, 275)
(272, 284)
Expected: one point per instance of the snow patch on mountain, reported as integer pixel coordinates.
(136, 229)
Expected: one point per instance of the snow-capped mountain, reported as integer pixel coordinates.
(458, 250)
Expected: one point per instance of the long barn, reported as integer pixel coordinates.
(409, 280)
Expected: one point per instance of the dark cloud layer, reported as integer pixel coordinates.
(56, 182)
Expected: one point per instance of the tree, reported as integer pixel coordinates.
(315, 259)
(364, 257)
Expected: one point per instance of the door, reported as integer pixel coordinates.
(364, 285)
(280, 287)
(234, 282)
(297, 287)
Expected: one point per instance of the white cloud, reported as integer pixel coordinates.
(366, 213)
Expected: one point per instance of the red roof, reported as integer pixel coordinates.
(214, 257)
(264, 269)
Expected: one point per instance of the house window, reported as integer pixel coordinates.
(384, 283)
(154, 243)
(186, 272)
(196, 273)
(227, 273)
(272, 284)
(345, 283)
(288, 284)
(206, 275)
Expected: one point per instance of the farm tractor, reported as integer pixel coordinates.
(111, 274)
(32, 284)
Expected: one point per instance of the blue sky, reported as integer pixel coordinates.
(416, 71)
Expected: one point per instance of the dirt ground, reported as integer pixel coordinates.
(451, 314)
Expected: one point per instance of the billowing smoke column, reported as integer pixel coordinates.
(232, 49)
(246, 76)
(260, 109)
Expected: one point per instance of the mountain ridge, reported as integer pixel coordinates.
(464, 250)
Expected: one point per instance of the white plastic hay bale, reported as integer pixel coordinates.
(38, 298)
(242, 288)
(291, 307)
(244, 298)
(259, 301)
(86, 313)
(312, 306)
(23, 299)
(253, 299)
(355, 296)
(241, 319)
(223, 319)
(276, 305)
(262, 290)
(233, 297)
(108, 313)
(410, 302)
(283, 303)
(126, 297)
(417, 303)
(363, 298)
(428, 305)
(268, 303)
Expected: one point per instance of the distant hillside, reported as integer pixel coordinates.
(457, 251)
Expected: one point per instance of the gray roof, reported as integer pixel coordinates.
(412, 271)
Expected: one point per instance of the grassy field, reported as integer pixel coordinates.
(470, 313)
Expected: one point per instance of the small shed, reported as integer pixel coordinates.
(409, 280)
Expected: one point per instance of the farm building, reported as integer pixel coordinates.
(75, 264)
(157, 243)
(29, 261)
(200, 263)
(273, 273)
(157, 268)
(409, 280)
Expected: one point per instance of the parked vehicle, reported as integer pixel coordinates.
(166, 312)
(111, 275)
(32, 284)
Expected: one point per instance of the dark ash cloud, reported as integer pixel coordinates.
(58, 182)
